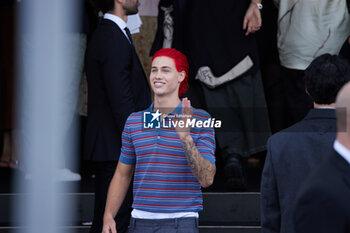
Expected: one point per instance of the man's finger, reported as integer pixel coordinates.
(248, 30)
(187, 103)
(190, 110)
(106, 229)
(114, 229)
(259, 19)
(245, 22)
(189, 106)
(184, 104)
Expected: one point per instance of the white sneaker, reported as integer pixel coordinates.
(65, 174)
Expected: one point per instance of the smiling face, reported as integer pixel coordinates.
(165, 79)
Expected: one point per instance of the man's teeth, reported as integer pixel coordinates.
(158, 84)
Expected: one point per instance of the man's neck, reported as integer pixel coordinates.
(119, 11)
(332, 105)
(165, 104)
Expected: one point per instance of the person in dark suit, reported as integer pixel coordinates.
(345, 50)
(117, 87)
(323, 202)
(295, 151)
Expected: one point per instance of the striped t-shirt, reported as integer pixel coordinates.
(163, 180)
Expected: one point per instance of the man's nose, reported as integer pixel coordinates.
(158, 75)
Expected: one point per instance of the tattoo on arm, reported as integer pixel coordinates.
(201, 168)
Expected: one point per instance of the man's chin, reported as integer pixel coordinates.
(159, 93)
(132, 12)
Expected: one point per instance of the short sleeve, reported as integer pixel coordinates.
(127, 154)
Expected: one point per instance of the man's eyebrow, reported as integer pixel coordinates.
(163, 67)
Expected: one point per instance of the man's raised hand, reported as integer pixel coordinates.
(186, 116)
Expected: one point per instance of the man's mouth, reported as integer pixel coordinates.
(158, 84)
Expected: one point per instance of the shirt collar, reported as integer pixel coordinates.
(177, 110)
(121, 24)
(326, 107)
(342, 150)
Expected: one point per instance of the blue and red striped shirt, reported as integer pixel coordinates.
(163, 180)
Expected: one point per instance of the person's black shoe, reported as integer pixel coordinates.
(235, 173)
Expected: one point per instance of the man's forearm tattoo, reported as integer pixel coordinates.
(201, 168)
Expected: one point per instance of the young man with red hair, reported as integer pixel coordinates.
(169, 163)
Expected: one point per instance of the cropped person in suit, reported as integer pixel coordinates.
(295, 151)
(323, 202)
(345, 50)
(298, 23)
(117, 87)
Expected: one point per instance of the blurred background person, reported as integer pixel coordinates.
(307, 29)
(117, 87)
(224, 74)
(323, 201)
(345, 50)
(294, 152)
(8, 23)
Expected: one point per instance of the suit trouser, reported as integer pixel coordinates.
(240, 104)
(298, 103)
(104, 173)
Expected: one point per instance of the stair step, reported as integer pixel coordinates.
(229, 229)
(226, 208)
(71, 229)
(81, 212)
(220, 209)
(202, 229)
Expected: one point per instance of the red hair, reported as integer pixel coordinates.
(180, 62)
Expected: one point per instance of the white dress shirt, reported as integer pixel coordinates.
(342, 150)
(117, 20)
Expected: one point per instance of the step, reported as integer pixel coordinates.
(71, 229)
(82, 211)
(229, 229)
(234, 208)
(220, 209)
(202, 229)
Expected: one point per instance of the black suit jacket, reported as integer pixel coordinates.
(345, 50)
(323, 204)
(291, 155)
(117, 86)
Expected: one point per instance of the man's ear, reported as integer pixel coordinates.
(182, 76)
